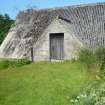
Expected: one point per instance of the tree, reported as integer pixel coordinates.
(5, 24)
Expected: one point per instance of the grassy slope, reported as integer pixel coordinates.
(43, 83)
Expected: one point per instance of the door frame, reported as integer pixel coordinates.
(50, 44)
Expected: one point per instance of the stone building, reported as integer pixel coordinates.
(55, 34)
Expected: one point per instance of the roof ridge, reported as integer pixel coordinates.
(66, 7)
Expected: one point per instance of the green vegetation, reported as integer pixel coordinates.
(91, 59)
(4, 63)
(87, 58)
(92, 94)
(100, 57)
(44, 83)
(5, 24)
(73, 82)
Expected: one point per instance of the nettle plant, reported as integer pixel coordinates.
(90, 96)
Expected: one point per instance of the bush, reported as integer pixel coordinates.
(13, 63)
(87, 57)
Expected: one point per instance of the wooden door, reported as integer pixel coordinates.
(57, 46)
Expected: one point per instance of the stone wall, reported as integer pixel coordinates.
(71, 43)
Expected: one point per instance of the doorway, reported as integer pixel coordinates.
(57, 46)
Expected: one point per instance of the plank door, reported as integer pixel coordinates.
(57, 46)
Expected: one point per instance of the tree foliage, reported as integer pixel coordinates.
(5, 24)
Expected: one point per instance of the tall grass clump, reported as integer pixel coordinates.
(94, 59)
(100, 57)
(100, 54)
(87, 58)
(8, 63)
(93, 94)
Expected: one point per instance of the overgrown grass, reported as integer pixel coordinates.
(94, 59)
(73, 82)
(44, 83)
(87, 58)
(92, 95)
(5, 63)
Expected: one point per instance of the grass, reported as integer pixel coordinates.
(10, 63)
(43, 83)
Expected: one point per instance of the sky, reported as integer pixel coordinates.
(12, 7)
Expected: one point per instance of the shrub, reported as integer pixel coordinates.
(87, 57)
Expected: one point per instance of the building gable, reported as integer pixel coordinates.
(41, 48)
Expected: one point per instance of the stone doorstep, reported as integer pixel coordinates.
(54, 60)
